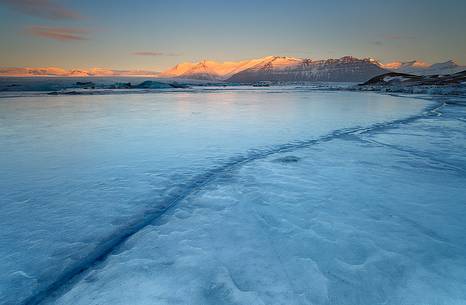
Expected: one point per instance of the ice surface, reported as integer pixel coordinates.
(370, 218)
(361, 216)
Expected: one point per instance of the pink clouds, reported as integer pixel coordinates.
(58, 33)
(48, 9)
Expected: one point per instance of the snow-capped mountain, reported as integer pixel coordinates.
(285, 69)
(281, 69)
(209, 70)
(56, 71)
(404, 80)
(422, 68)
(448, 67)
(405, 67)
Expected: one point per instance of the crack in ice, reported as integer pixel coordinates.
(113, 242)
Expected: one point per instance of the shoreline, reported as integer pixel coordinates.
(429, 91)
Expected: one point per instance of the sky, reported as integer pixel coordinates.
(155, 35)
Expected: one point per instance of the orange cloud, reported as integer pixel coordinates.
(58, 33)
(48, 9)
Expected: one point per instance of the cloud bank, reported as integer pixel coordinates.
(48, 9)
(58, 33)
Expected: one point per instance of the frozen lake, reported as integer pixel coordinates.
(271, 196)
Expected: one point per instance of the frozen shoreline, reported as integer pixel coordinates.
(413, 91)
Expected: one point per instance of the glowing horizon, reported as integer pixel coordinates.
(152, 36)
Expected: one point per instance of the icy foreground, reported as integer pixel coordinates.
(349, 198)
(370, 218)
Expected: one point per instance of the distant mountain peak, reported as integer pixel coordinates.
(405, 64)
(208, 69)
(418, 67)
(449, 63)
(289, 69)
(395, 79)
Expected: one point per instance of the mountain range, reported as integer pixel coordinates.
(421, 68)
(290, 69)
(279, 69)
(395, 79)
(267, 69)
(60, 72)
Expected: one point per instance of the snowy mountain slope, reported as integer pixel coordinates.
(209, 70)
(289, 68)
(448, 67)
(60, 72)
(345, 69)
(404, 79)
(279, 68)
(398, 65)
(422, 68)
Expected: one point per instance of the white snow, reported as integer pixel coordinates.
(395, 79)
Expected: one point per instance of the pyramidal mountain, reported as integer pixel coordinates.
(280, 69)
(209, 70)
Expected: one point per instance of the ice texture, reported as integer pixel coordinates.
(375, 217)
(232, 197)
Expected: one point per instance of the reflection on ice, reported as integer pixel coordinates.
(353, 222)
(263, 211)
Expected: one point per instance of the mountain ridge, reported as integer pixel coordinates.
(275, 68)
(396, 79)
(268, 68)
(279, 68)
(284, 69)
(422, 68)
